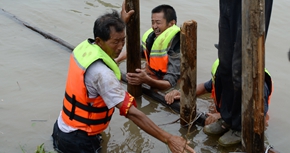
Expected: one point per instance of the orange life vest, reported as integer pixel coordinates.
(268, 81)
(157, 58)
(80, 111)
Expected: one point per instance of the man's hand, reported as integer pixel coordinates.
(126, 15)
(171, 96)
(137, 78)
(212, 117)
(178, 144)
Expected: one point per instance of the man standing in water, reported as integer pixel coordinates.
(93, 90)
(228, 82)
(161, 49)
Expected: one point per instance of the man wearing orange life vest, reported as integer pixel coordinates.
(93, 90)
(209, 87)
(161, 49)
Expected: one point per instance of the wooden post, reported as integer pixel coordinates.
(188, 36)
(133, 44)
(253, 63)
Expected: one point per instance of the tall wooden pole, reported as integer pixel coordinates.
(253, 63)
(188, 36)
(133, 44)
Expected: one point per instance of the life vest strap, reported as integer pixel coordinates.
(85, 120)
(87, 108)
(73, 102)
(159, 73)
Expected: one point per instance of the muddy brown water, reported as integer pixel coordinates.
(33, 73)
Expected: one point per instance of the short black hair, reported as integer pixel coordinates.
(105, 22)
(169, 12)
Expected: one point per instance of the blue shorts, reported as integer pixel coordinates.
(75, 142)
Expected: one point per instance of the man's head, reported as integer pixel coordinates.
(163, 17)
(109, 33)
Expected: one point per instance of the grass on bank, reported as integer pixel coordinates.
(39, 149)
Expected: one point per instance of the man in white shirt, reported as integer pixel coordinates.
(93, 90)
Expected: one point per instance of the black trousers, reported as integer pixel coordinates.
(230, 60)
(75, 142)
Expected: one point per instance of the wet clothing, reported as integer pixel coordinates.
(157, 58)
(76, 141)
(210, 87)
(267, 93)
(99, 80)
(79, 110)
(229, 54)
(172, 73)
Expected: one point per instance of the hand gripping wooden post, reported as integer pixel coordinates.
(133, 44)
(188, 36)
(253, 63)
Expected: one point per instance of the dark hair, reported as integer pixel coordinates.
(169, 12)
(105, 22)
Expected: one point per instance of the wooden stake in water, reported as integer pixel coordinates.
(133, 44)
(253, 64)
(188, 39)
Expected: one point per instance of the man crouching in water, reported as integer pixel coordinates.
(93, 90)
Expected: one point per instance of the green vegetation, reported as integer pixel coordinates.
(39, 149)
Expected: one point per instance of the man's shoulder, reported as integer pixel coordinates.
(98, 67)
(176, 37)
(175, 44)
(99, 72)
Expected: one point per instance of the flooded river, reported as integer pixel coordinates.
(34, 69)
